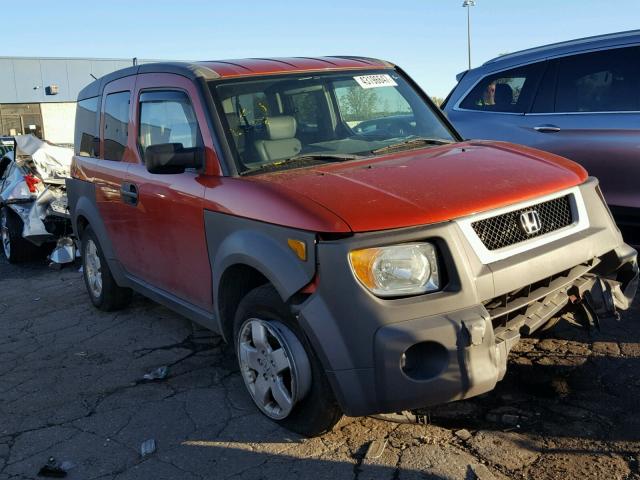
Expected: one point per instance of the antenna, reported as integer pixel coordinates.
(135, 61)
(94, 77)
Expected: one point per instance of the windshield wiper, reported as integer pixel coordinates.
(330, 157)
(412, 142)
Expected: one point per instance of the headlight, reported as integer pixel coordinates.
(407, 269)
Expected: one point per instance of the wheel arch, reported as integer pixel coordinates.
(235, 283)
(84, 214)
(245, 254)
(81, 224)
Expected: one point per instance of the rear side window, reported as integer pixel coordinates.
(167, 117)
(508, 91)
(87, 141)
(116, 125)
(607, 81)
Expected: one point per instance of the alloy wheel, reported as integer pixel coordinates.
(274, 366)
(93, 268)
(4, 233)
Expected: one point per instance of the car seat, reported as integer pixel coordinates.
(281, 142)
(503, 96)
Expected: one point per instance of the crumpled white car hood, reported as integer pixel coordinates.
(52, 163)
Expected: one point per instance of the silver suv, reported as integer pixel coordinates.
(579, 99)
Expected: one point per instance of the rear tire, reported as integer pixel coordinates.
(310, 407)
(104, 292)
(16, 248)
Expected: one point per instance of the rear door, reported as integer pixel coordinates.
(588, 110)
(168, 227)
(105, 160)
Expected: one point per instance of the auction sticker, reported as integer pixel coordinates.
(375, 81)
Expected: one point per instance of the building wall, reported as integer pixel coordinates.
(29, 104)
(28, 80)
(58, 121)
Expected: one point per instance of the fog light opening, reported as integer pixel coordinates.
(424, 360)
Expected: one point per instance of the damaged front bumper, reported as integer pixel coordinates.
(441, 358)
(389, 355)
(465, 353)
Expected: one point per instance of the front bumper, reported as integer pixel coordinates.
(455, 342)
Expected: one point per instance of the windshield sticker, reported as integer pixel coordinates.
(375, 81)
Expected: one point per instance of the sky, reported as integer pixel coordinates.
(427, 38)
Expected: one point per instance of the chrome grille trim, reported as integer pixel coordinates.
(579, 217)
(505, 229)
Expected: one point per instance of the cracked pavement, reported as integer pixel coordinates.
(70, 387)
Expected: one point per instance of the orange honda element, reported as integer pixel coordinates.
(324, 216)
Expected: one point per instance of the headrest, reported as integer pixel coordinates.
(503, 95)
(227, 106)
(281, 127)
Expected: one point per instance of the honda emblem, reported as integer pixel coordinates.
(530, 222)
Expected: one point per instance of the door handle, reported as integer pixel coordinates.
(129, 193)
(546, 128)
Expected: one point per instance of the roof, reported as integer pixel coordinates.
(216, 69)
(566, 48)
(262, 66)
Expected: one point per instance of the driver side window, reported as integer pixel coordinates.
(167, 117)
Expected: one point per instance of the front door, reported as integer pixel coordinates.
(170, 245)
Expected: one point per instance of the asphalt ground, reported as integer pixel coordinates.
(71, 388)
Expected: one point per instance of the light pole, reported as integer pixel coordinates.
(468, 4)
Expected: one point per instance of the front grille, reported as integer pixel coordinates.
(505, 230)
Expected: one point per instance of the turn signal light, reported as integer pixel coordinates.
(299, 248)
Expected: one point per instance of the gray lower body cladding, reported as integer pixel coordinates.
(391, 355)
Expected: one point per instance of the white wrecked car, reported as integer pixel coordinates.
(33, 202)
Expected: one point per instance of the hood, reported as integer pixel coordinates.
(429, 185)
(51, 161)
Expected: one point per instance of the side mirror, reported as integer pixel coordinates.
(172, 158)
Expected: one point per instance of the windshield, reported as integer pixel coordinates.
(293, 121)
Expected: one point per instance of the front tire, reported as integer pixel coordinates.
(104, 292)
(16, 248)
(280, 369)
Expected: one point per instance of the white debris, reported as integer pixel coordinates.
(65, 251)
(148, 447)
(376, 449)
(159, 373)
